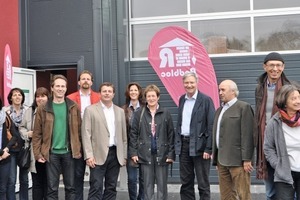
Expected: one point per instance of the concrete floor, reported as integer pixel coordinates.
(173, 189)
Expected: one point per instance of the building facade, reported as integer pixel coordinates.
(111, 38)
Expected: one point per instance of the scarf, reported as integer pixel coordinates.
(2, 116)
(261, 165)
(15, 117)
(290, 121)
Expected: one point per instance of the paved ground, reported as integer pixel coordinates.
(173, 189)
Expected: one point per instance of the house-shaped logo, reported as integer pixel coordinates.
(177, 53)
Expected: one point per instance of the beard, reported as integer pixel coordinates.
(85, 86)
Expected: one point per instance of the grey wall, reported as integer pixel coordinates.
(87, 34)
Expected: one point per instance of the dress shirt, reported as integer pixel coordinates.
(110, 120)
(85, 101)
(187, 114)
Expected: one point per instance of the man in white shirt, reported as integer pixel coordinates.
(104, 141)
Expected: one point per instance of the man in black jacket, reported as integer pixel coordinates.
(193, 139)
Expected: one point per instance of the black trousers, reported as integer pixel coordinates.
(108, 172)
(288, 191)
(79, 177)
(60, 163)
(189, 167)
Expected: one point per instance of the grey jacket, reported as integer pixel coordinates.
(276, 152)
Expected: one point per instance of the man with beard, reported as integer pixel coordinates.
(84, 97)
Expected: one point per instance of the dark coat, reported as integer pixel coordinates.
(140, 136)
(235, 140)
(5, 142)
(259, 93)
(200, 127)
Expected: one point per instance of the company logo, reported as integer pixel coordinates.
(174, 51)
(7, 73)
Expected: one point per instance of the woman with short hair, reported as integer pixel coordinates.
(282, 143)
(16, 110)
(7, 140)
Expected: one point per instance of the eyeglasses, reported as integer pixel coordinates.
(275, 65)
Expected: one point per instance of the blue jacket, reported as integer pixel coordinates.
(200, 127)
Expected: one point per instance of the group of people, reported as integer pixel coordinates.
(273, 130)
(87, 129)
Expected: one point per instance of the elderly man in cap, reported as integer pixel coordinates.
(268, 85)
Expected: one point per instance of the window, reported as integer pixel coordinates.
(277, 33)
(210, 6)
(223, 27)
(151, 8)
(224, 36)
(142, 35)
(269, 4)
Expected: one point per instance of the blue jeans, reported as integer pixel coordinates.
(132, 173)
(60, 163)
(4, 175)
(269, 183)
(23, 179)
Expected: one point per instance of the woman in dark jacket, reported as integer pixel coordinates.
(134, 102)
(16, 110)
(152, 144)
(6, 142)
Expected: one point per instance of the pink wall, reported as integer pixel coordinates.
(9, 34)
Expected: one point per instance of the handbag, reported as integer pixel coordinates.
(24, 156)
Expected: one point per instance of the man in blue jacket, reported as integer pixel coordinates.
(193, 139)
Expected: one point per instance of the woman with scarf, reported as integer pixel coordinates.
(37, 169)
(282, 143)
(16, 110)
(6, 142)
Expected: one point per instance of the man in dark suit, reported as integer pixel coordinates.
(193, 139)
(233, 144)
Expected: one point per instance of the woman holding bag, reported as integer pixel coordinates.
(37, 169)
(5, 144)
(16, 110)
(151, 144)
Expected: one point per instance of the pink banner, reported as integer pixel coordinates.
(173, 51)
(7, 74)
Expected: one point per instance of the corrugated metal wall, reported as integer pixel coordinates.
(243, 70)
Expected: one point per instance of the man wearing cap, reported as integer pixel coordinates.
(268, 85)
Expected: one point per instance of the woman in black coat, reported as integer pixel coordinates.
(7, 140)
